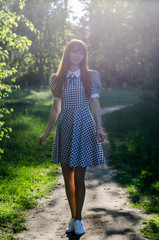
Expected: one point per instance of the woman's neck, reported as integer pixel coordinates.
(73, 68)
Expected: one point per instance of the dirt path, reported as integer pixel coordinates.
(106, 214)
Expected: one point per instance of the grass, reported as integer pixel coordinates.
(134, 137)
(113, 97)
(151, 230)
(26, 169)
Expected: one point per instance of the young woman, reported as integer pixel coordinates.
(79, 134)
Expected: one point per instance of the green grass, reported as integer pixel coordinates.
(112, 97)
(134, 137)
(26, 169)
(151, 230)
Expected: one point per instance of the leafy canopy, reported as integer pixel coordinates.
(10, 41)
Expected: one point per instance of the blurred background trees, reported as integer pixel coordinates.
(49, 17)
(122, 38)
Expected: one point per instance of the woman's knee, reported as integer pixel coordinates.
(79, 181)
(68, 174)
(79, 176)
(69, 181)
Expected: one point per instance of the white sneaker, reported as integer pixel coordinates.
(70, 226)
(78, 227)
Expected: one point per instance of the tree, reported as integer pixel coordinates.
(50, 17)
(10, 42)
(123, 40)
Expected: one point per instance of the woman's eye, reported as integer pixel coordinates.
(78, 52)
(74, 51)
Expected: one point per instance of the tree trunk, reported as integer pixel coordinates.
(41, 69)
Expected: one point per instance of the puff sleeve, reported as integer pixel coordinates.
(53, 81)
(96, 84)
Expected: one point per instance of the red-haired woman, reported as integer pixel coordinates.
(79, 134)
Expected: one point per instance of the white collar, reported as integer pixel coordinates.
(76, 73)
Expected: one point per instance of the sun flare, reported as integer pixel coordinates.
(77, 9)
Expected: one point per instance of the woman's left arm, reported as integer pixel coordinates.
(95, 109)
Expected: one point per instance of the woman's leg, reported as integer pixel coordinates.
(68, 174)
(79, 176)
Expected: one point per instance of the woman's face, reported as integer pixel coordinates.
(76, 56)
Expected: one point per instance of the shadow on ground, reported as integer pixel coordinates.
(72, 236)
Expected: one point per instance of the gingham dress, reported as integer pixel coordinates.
(75, 142)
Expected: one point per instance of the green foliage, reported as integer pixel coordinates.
(47, 47)
(134, 136)
(26, 169)
(123, 42)
(10, 41)
(151, 231)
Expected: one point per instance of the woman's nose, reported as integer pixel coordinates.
(77, 54)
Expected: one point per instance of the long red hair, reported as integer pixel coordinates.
(61, 75)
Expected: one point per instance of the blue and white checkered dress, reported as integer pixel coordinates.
(75, 142)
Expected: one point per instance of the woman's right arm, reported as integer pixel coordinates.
(54, 113)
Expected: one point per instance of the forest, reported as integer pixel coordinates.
(123, 46)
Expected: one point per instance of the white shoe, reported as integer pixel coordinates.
(78, 227)
(70, 226)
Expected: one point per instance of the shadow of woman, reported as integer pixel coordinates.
(73, 236)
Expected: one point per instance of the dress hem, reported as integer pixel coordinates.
(92, 165)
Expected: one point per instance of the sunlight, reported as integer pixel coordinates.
(76, 8)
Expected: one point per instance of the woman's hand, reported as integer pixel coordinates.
(95, 108)
(100, 135)
(42, 140)
(55, 110)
